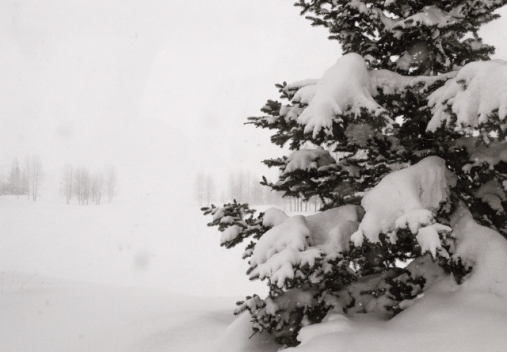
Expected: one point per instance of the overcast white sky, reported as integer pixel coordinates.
(157, 87)
(149, 85)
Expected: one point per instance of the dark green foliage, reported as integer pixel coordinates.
(366, 34)
(239, 215)
(367, 147)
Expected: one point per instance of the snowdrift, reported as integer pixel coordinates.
(447, 317)
(74, 316)
(469, 315)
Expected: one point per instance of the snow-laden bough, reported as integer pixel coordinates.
(408, 198)
(343, 88)
(299, 241)
(474, 96)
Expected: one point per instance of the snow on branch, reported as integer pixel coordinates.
(388, 22)
(393, 83)
(475, 96)
(274, 217)
(281, 249)
(430, 16)
(408, 198)
(483, 249)
(342, 89)
(493, 194)
(236, 222)
(348, 87)
(306, 159)
(298, 241)
(491, 155)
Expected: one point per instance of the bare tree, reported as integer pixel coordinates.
(97, 187)
(67, 182)
(237, 186)
(111, 181)
(27, 176)
(256, 191)
(79, 182)
(223, 196)
(86, 185)
(246, 191)
(232, 187)
(82, 185)
(199, 185)
(36, 175)
(316, 202)
(78, 185)
(241, 187)
(209, 189)
(244, 187)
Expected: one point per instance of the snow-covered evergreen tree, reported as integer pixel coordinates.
(416, 112)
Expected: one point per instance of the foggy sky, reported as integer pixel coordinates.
(159, 88)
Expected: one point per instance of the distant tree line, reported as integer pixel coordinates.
(88, 187)
(205, 189)
(245, 187)
(24, 180)
(75, 183)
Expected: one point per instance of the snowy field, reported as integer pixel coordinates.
(64, 316)
(149, 243)
(125, 276)
(150, 276)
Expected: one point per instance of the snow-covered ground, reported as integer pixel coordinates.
(153, 243)
(150, 276)
(64, 316)
(124, 276)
